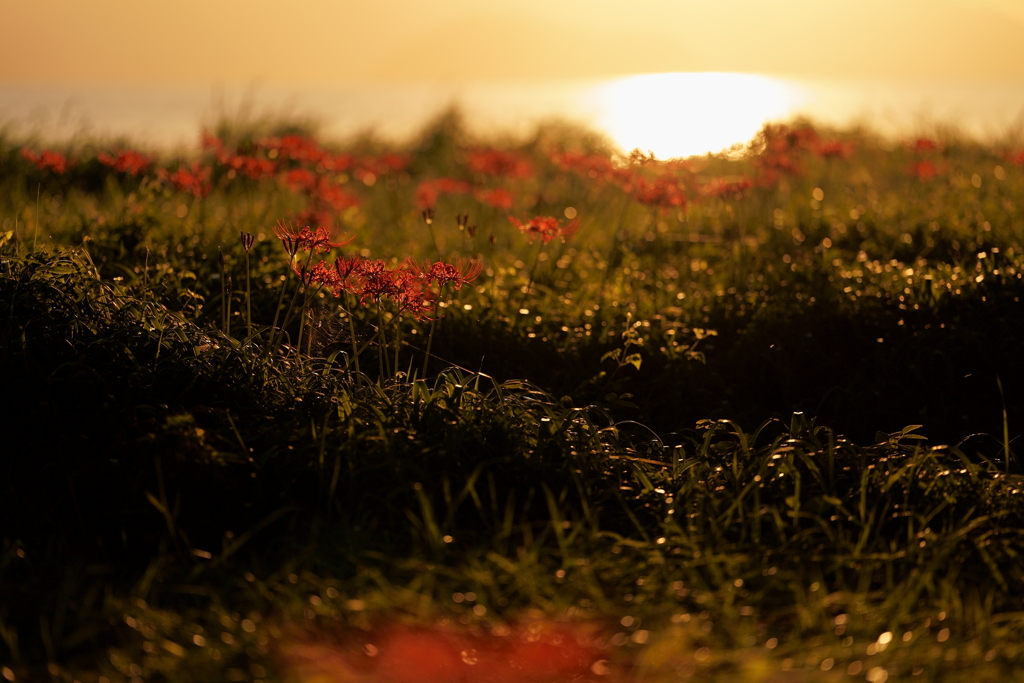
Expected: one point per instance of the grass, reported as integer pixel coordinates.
(755, 419)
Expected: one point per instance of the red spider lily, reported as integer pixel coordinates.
(300, 179)
(429, 190)
(1015, 157)
(314, 214)
(194, 180)
(497, 162)
(379, 282)
(833, 149)
(210, 142)
(251, 167)
(385, 163)
(593, 166)
(663, 192)
(780, 138)
(391, 161)
(335, 163)
(546, 227)
(319, 274)
(300, 148)
(538, 652)
(47, 161)
(783, 148)
(306, 239)
(248, 239)
(498, 198)
(727, 188)
(461, 272)
(923, 145)
(412, 297)
(349, 274)
(129, 162)
(333, 195)
(923, 170)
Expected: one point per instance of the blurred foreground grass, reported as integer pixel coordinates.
(624, 430)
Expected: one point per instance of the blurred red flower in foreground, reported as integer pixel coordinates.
(1016, 157)
(923, 145)
(923, 170)
(47, 161)
(546, 227)
(537, 652)
(130, 162)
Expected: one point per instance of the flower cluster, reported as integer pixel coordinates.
(295, 239)
(1016, 158)
(783, 150)
(194, 179)
(47, 161)
(428, 191)
(407, 286)
(727, 188)
(546, 227)
(923, 170)
(129, 162)
(664, 191)
(495, 162)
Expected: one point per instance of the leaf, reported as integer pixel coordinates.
(634, 360)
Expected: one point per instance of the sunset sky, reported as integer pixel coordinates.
(332, 42)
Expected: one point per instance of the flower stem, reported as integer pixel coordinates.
(248, 300)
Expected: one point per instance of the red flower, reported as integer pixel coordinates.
(834, 149)
(299, 179)
(300, 148)
(306, 239)
(497, 162)
(923, 170)
(47, 161)
(349, 274)
(923, 145)
(412, 297)
(334, 196)
(1015, 157)
(461, 272)
(252, 167)
(129, 162)
(429, 190)
(727, 188)
(662, 192)
(378, 281)
(593, 166)
(212, 142)
(546, 227)
(194, 180)
(498, 198)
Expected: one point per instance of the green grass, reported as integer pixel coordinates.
(648, 441)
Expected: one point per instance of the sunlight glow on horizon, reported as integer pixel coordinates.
(687, 114)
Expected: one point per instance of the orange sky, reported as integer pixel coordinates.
(331, 41)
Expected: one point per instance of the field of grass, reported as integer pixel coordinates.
(744, 417)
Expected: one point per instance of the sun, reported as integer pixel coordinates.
(685, 114)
